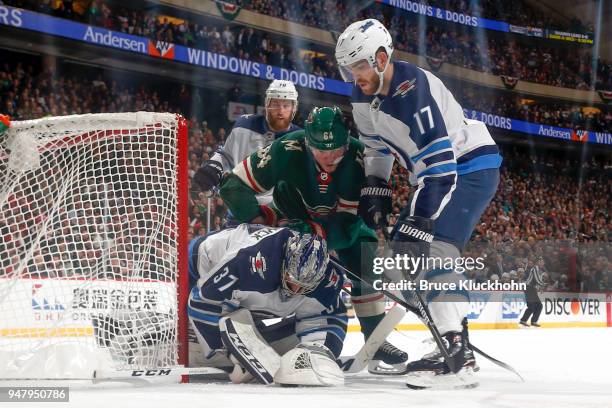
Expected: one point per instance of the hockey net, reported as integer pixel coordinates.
(92, 244)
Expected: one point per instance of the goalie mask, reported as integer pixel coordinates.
(361, 41)
(304, 264)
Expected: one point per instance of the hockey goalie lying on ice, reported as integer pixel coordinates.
(250, 273)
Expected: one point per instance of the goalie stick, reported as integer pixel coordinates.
(147, 374)
(428, 322)
(356, 363)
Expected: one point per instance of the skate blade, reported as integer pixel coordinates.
(378, 367)
(422, 380)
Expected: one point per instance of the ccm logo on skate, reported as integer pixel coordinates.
(151, 373)
(571, 306)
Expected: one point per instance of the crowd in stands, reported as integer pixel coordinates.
(563, 65)
(545, 206)
(561, 114)
(327, 14)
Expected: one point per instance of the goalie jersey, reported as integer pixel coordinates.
(241, 268)
(420, 124)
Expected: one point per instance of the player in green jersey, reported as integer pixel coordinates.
(317, 174)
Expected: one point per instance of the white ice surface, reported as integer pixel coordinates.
(562, 368)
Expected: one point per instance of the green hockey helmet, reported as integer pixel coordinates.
(325, 129)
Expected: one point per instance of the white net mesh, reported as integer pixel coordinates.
(88, 244)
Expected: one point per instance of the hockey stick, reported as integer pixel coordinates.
(496, 361)
(356, 363)
(144, 374)
(423, 313)
(417, 312)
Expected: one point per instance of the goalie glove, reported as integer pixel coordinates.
(209, 175)
(5, 123)
(375, 202)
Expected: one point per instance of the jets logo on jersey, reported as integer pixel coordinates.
(269, 137)
(258, 264)
(290, 145)
(404, 87)
(333, 279)
(264, 156)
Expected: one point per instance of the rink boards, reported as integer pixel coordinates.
(497, 310)
(50, 307)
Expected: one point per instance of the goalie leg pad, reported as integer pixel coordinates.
(248, 347)
(309, 364)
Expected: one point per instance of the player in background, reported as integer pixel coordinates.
(272, 272)
(252, 132)
(317, 175)
(405, 113)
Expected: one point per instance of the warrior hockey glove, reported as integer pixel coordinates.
(375, 202)
(209, 175)
(5, 123)
(412, 235)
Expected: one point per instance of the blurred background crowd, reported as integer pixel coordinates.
(551, 208)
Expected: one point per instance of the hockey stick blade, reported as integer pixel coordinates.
(358, 362)
(496, 361)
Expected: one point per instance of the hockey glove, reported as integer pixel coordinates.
(412, 236)
(5, 123)
(209, 175)
(375, 202)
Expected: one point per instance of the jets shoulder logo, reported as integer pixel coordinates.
(290, 145)
(404, 87)
(333, 279)
(258, 264)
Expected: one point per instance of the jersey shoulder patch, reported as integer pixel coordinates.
(254, 123)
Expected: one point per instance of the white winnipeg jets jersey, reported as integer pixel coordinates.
(421, 125)
(249, 134)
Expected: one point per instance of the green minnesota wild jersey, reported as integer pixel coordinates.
(302, 190)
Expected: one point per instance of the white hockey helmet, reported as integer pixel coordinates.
(282, 89)
(360, 41)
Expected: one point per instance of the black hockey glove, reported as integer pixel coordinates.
(412, 236)
(375, 202)
(209, 175)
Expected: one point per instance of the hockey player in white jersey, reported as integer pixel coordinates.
(271, 272)
(405, 113)
(252, 132)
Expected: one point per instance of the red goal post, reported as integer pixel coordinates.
(93, 244)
